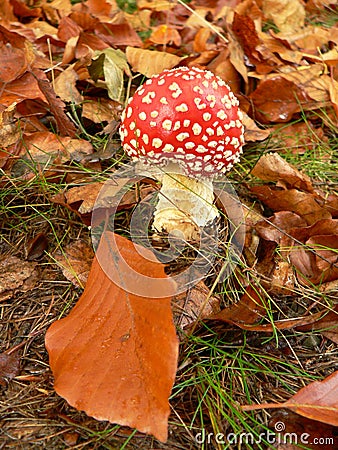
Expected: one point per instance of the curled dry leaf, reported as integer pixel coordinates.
(272, 167)
(112, 65)
(317, 260)
(244, 28)
(65, 86)
(249, 310)
(115, 355)
(36, 247)
(252, 133)
(65, 125)
(223, 67)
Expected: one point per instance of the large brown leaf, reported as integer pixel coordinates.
(115, 355)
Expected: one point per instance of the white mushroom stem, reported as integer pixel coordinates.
(185, 204)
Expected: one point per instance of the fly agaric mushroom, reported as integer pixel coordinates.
(188, 120)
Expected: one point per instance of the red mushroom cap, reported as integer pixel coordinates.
(185, 115)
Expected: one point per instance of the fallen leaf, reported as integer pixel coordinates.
(223, 67)
(244, 28)
(118, 34)
(6, 12)
(148, 62)
(326, 325)
(318, 400)
(252, 133)
(75, 261)
(310, 38)
(249, 310)
(277, 100)
(202, 40)
(288, 15)
(196, 303)
(46, 148)
(9, 366)
(9, 127)
(100, 8)
(65, 86)
(99, 111)
(22, 10)
(298, 138)
(16, 55)
(237, 56)
(308, 84)
(68, 29)
(276, 226)
(25, 87)
(16, 274)
(65, 125)
(272, 167)
(36, 247)
(113, 65)
(305, 204)
(115, 355)
(82, 198)
(316, 260)
(159, 5)
(163, 35)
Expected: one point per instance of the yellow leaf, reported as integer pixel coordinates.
(148, 62)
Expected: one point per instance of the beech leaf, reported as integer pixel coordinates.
(115, 355)
(272, 167)
(288, 15)
(318, 400)
(150, 62)
(248, 311)
(113, 64)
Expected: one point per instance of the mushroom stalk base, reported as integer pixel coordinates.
(185, 204)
